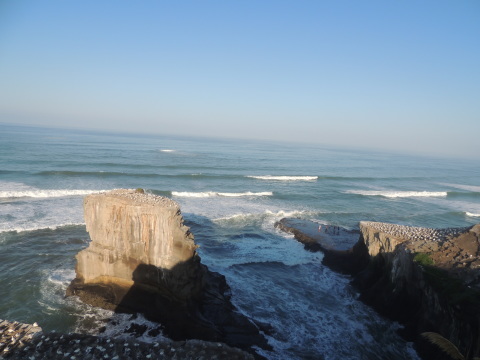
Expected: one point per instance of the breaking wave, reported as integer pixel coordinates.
(40, 227)
(398, 194)
(46, 193)
(472, 214)
(212, 193)
(283, 178)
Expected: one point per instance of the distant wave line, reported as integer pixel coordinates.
(46, 193)
(96, 173)
(283, 177)
(398, 194)
(167, 150)
(212, 194)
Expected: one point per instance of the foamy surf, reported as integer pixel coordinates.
(212, 194)
(283, 178)
(398, 194)
(46, 193)
(472, 214)
(275, 214)
(41, 227)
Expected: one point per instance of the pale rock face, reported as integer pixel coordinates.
(131, 229)
(378, 240)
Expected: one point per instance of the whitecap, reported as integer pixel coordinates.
(472, 214)
(46, 193)
(167, 150)
(283, 177)
(35, 228)
(397, 194)
(212, 193)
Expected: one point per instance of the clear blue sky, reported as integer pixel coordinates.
(394, 75)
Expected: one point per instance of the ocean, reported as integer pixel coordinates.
(231, 193)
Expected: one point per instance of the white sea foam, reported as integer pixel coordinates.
(275, 214)
(118, 324)
(167, 150)
(212, 193)
(38, 193)
(35, 228)
(265, 219)
(397, 194)
(32, 214)
(283, 178)
(52, 289)
(472, 214)
(321, 318)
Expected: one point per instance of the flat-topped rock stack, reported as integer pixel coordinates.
(142, 258)
(25, 341)
(138, 237)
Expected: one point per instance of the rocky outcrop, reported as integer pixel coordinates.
(139, 234)
(427, 279)
(142, 258)
(25, 341)
(15, 336)
(340, 246)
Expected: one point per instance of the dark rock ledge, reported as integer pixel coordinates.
(25, 341)
(426, 279)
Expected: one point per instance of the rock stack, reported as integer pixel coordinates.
(140, 239)
(142, 258)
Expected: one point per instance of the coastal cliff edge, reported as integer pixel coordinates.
(426, 279)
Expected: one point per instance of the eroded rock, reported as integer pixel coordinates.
(427, 279)
(142, 258)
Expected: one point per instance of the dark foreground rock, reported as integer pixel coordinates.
(427, 279)
(143, 259)
(25, 341)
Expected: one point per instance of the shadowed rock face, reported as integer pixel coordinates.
(142, 258)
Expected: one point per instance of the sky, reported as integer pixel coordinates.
(391, 75)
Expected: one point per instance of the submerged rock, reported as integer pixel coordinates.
(142, 258)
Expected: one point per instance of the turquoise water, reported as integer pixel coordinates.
(231, 193)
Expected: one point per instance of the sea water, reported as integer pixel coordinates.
(231, 193)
